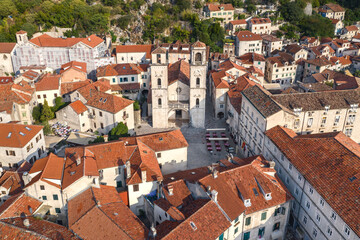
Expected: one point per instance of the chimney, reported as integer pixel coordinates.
(208, 189)
(143, 175)
(214, 194)
(171, 190)
(153, 231)
(215, 173)
(128, 171)
(78, 161)
(272, 164)
(26, 222)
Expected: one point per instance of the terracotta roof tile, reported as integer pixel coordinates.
(6, 47)
(78, 107)
(48, 82)
(99, 213)
(14, 228)
(17, 135)
(19, 205)
(48, 41)
(248, 36)
(70, 87)
(198, 44)
(260, 20)
(135, 48)
(238, 22)
(81, 66)
(12, 181)
(179, 71)
(217, 7)
(341, 156)
(125, 86)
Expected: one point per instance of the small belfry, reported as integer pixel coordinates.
(178, 88)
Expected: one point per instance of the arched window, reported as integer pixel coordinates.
(159, 82)
(197, 82)
(197, 103)
(159, 102)
(198, 57)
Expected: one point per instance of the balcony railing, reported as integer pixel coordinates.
(179, 105)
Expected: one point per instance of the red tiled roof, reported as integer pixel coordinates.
(173, 212)
(217, 7)
(48, 82)
(47, 169)
(99, 213)
(81, 66)
(209, 223)
(218, 81)
(14, 228)
(327, 161)
(21, 32)
(72, 86)
(78, 107)
(17, 135)
(119, 69)
(352, 28)
(11, 181)
(235, 90)
(125, 86)
(48, 41)
(105, 101)
(30, 74)
(248, 36)
(238, 22)
(6, 47)
(19, 205)
(335, 7)
(250, 58)
(135, 48)
(6, 80)
(198, 44)
(260, 20)
(228, 64)
(179, 71)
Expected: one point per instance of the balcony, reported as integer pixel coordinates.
(179, 105)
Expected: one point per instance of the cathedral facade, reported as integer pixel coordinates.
(178, 90)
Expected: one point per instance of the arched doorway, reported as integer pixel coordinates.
(178, 117)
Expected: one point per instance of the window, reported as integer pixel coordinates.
(10, 153)
(197, 82)
(261, 232)
(132, 79)
(136, 188)
(308, 205)
(305, 220)
(158, 155)
(299, 177)
(347, 230)
(310, 122)
(318, 218)
(57, 210)
(44, 95)
(236, 230)
(263, 216)
(351, 119)
(113, 80)
(197, 102)
(159, 102)
(348, 132)
(160, 217)
(321, 202)
(247, 221)
(102, 125)
(159, 82)
(55, 197)
(323, 121)
(311, 190)
(276, 226)
(246, 236)
(44, 198)
(42, 187)
(290, 166)
(38, 96)
(297, 191)
(329, 231)
(221, 105)
(314, 233)
(333, 216)
(100, 113)
(236, 219)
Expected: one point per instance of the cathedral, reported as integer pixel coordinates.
(178, 89)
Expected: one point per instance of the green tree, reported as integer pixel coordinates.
(292, 12)
(316, 25)
(98, 139)
(357, 73)
(36, 113)
(7, 7)
(46, 113)
(136, 105)
(47, 129)
(251, 8)
(121, 130)
(58, 104)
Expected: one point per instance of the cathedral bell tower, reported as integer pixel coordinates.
(198, 67)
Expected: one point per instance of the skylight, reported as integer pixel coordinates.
(22, 134)
(105, 100)
(255, 192)
(192, 224)
(100, 99)
(352, 179)
(9, 135)
(27, 128)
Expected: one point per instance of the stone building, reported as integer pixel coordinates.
(178, 90)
